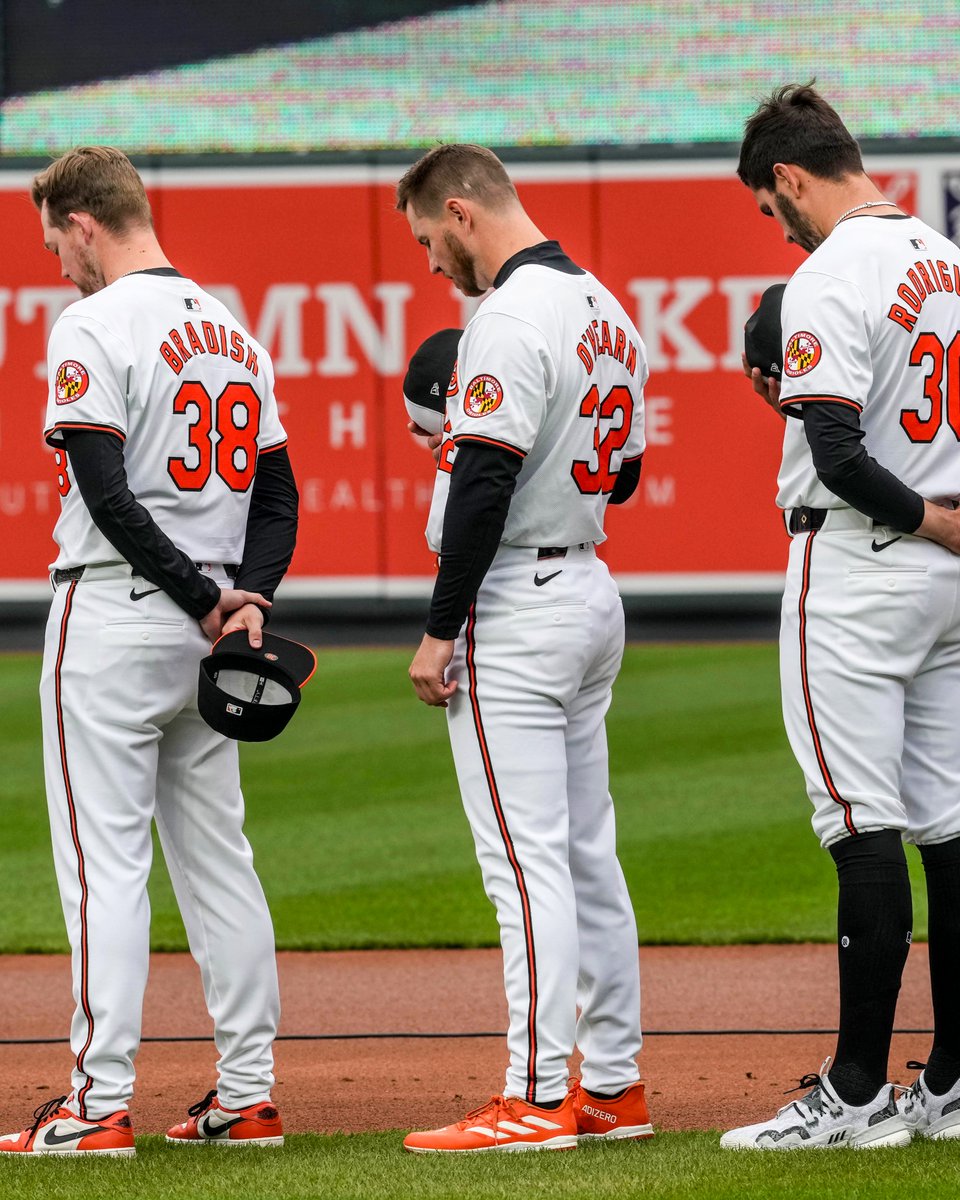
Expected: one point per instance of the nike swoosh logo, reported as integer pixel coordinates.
(539, 582)
(52, 1138)
(876, 546)
(205, 1129)
(135, 595)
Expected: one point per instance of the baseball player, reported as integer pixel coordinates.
(870, 634)
(544, 425)
(178, 519)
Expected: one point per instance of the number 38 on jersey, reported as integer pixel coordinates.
(221, 435)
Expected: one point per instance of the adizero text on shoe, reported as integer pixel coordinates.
(210, 1124)
(57, 1130)
(821, 1120)
(930, 1116)
(625, 1117)
(502, 1124)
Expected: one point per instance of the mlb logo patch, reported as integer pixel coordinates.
(918, 243)
(235, 709)
(192, 304)
(593, 302)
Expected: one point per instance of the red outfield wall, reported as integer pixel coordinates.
(316, 262)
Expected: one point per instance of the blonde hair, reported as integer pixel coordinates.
(98, 180)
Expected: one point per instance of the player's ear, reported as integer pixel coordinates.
(459, 211)
(82, 221)
(789, 177)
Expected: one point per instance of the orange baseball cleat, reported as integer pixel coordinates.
(211, 1124)
(502, 1124)
(57, 1130)
(624, 1117)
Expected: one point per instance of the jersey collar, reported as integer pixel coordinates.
(168, 271)
(545, 254)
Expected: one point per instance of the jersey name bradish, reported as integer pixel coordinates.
(181, 347)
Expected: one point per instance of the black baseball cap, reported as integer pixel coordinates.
(250, 693)
(428, 375)
(763, 336)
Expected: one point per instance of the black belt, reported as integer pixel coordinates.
(805, 520)
(67, 574)
(560, 551)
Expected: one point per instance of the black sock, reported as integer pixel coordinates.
(548, 1103)
(941, 864)
(606, 1095)
(874, 918)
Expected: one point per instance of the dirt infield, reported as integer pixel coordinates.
(699, 1074)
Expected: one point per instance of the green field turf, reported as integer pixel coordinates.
(372, 1166)
(360, 839)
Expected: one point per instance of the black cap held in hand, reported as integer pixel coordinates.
(251, 693)
(763, 336)
(427, 378)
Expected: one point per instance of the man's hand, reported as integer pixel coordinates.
(940, 525)
(428, 669)
(235, 610)
(434, 440)
(764, 385)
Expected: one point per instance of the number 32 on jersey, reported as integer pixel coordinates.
(596, 475)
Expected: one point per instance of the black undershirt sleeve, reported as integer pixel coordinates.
(844, 466)
(482, 483)
(271, 525)
(97, 462)
(627, 479)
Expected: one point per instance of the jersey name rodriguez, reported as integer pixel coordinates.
(163, 366)
(550, 368)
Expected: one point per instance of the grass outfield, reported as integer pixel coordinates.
(371, 1167)
(360, 839)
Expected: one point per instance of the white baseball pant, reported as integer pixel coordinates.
(535, 664)
(870, 674)
(124, 745)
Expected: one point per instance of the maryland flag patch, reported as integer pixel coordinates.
(72, 381)
(484, 395)
(802, 354)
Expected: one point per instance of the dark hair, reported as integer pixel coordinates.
(796, 125)
(98, 180)
(473, 172)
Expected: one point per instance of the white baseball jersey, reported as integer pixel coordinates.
(552, 369)
(164, 367)
(870, 320)
(540, 338)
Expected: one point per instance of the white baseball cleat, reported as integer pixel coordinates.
(821, 1120)
(927, 1115)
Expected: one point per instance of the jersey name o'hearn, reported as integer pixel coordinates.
(183, 346)
(595, 341)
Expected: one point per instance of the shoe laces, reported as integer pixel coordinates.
(44, 1111)
(817, 1098)
(491, 1112)
(912, 1093)
(201, 1106)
